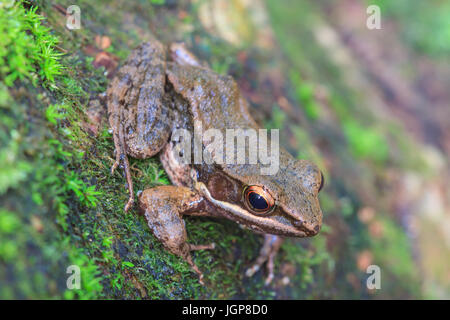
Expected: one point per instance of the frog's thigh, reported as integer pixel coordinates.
(163, 208)
(183, 56)
(151, 131)
(147, 127)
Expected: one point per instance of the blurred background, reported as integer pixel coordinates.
(370, 106)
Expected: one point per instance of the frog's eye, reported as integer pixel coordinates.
(322, 181)
(258, 200)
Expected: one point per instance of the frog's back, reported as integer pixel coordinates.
(135, 101)
(213, 99)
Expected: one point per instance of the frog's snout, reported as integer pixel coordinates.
(311, 229)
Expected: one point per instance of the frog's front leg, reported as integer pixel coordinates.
(267, 253)
(163, 208)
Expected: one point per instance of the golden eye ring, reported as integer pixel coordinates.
(258, 200)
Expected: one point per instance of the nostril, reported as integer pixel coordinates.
(298, 223)
(310, 228)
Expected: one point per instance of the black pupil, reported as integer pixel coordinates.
(258, 202)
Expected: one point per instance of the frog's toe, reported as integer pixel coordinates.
(194, 247)
(114, 167)
(251, 271)
(255, 268)
(269, 279)
(129, 204)
(194, 267)
(270, 268)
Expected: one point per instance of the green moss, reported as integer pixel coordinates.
(305, 260)
(34, 152)
(9, 222)
(158, 2)
(90, 286)
(13, 171)
(27, 47)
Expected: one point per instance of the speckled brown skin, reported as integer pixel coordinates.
(148, 99)
(160, 206)
(140, 123)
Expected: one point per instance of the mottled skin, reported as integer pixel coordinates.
(149, 98)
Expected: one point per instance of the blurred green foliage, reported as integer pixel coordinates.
(425, 24)
(304, 92)
(366, 142)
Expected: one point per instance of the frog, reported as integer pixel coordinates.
(163, 88)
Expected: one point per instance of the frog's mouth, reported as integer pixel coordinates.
(257, 223)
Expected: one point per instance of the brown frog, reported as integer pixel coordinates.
(153, 96)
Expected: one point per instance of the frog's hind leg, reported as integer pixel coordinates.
(121, 157)
(184, 57)
(163, 208)
(137, 113)
(267, 253)
(120, 149)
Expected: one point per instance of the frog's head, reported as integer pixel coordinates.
(285, 203)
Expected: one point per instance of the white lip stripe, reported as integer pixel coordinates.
(245, 215)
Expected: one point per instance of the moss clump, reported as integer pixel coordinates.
(27, 47)
(36, 181)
